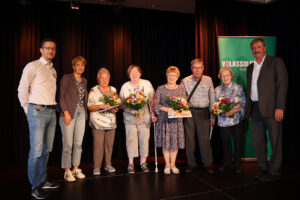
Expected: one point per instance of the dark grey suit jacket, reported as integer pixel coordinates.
(69, 95)
(272, 86)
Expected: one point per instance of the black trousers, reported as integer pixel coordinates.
(236, 133)
(198, 124)
(259, 126)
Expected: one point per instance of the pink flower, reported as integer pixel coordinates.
(228, 100)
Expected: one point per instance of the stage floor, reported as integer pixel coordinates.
(148, 186)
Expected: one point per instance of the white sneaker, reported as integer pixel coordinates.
(175, 170)
(167, 170)
(110, 169)
(68, 176)
(96, 171)
(78, 174)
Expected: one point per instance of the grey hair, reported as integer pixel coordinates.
(101, 71)
(225, 69)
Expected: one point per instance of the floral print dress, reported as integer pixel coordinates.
(169, 133)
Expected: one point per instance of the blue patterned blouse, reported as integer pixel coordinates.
(232, 91)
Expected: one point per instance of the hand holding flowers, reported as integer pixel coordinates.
(178, 107)
(111, 100)
(226, 107)
(177, 103)
(135, 102)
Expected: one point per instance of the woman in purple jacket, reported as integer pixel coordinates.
(73, 103)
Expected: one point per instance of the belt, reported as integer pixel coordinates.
(196, 108)
(45, 106)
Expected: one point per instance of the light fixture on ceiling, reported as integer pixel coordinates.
(74, 5)
(258, 1)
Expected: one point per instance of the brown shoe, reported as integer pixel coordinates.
(130, 169)
(144, 167)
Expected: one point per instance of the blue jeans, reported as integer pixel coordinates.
(72, 136)
(42, 124)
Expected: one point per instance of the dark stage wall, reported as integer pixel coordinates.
(117, 38)
(105, 37)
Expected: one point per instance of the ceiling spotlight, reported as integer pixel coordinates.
(74, 5)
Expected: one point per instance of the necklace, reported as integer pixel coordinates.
(104, 90)
(171, 86)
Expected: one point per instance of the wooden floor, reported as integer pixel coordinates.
(147, 186)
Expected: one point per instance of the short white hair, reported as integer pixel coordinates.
(102, 70)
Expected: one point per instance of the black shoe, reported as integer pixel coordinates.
(223, 168)
(269, 177)
(210, 170)
(37, 193)
(49, 185)
(261, 174)
(189, 169)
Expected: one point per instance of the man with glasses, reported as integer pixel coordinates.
(36, 92)
(201, 96)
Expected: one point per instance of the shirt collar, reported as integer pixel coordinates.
(261, 61)
(229, 86)
(44, 62)
(194, 78)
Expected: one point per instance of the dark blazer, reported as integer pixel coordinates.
(272, 86)
(69, 95)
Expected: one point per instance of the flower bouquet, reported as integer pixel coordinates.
(179, 105)
(135, 101)
(111, 98)
(223, 106)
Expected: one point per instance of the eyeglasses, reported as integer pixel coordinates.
(50, 48)
(198, 68)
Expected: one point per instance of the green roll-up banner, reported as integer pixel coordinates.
(235, 53)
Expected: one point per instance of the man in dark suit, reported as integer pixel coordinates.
(267, 84)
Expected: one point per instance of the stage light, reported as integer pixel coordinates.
(74, 5)
(26, 2)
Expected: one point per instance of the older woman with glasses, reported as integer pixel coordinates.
(231, 123)
(137, 122)
(169, 132)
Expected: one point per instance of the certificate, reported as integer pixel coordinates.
(106, 109)
(179, 114)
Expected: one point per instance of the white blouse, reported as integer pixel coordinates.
(99, 119)
(143, 86)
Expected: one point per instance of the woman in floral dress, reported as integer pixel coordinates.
(169, 132)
